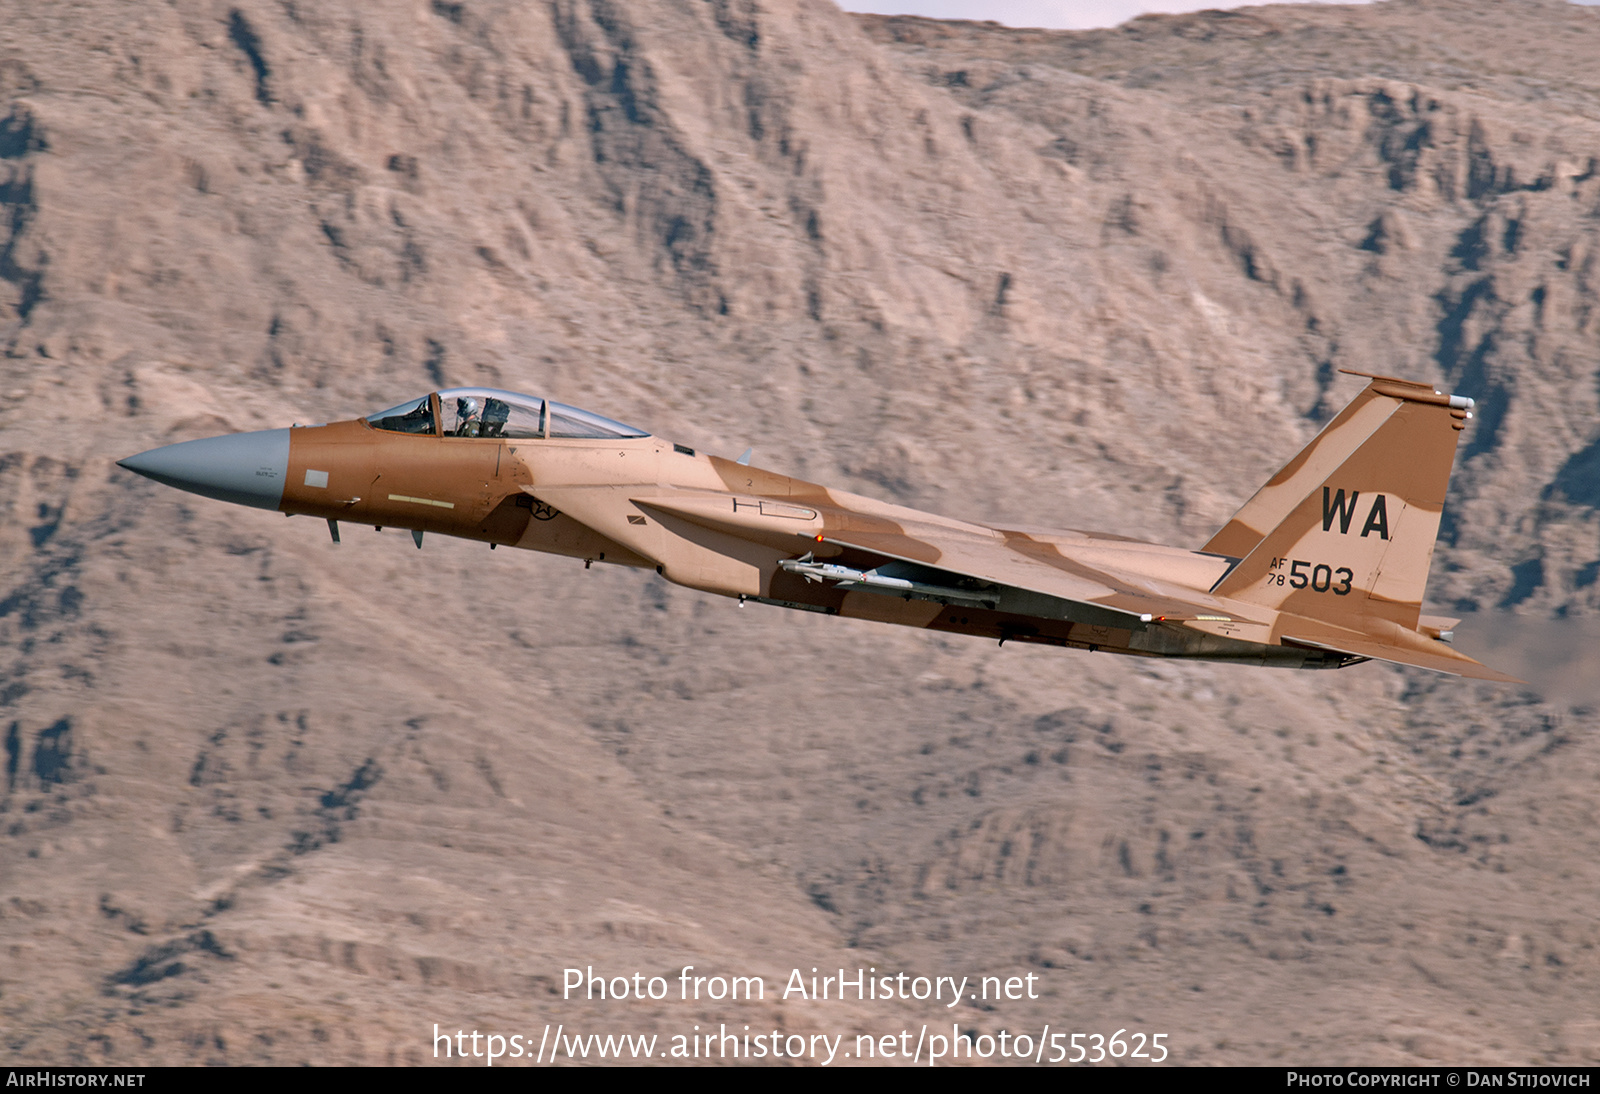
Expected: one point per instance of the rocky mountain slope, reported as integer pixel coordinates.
(268, 799)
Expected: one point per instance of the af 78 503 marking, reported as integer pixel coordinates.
(1319, 577)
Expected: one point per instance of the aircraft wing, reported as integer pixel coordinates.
(1034, 577)
(956, 562)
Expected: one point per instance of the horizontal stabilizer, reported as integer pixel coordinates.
(1411, 649)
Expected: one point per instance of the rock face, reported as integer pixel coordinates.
(268, 799)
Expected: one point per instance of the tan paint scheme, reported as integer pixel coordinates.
(1291, 580)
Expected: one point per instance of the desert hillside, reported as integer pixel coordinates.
(268, 799)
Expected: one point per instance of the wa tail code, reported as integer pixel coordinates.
(1336, 507)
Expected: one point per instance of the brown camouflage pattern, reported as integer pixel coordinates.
(1324, 566)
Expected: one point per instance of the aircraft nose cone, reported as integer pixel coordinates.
(244, 468)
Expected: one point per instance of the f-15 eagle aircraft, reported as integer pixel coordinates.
(1324, 567)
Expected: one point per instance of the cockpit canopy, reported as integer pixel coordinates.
(487, 412)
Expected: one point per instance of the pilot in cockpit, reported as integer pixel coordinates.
(468, 417)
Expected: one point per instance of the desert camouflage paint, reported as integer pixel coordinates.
(1324, 567)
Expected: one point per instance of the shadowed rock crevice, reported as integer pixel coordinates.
(20, 135)
(50, 594)
(335, 809)
(13, 747)
(243, 35)
(23, 272)
(1579, 478)
(164, 962)
(739, 20)
(1526, 578)
(1402, 132)
(52, 753)
(654, 183)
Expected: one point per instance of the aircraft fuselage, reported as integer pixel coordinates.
(641, 498)
(1272, 588)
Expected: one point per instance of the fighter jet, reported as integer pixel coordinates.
(1324, 567)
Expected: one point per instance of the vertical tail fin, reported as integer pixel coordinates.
(1270, 505)
(1356, 512)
